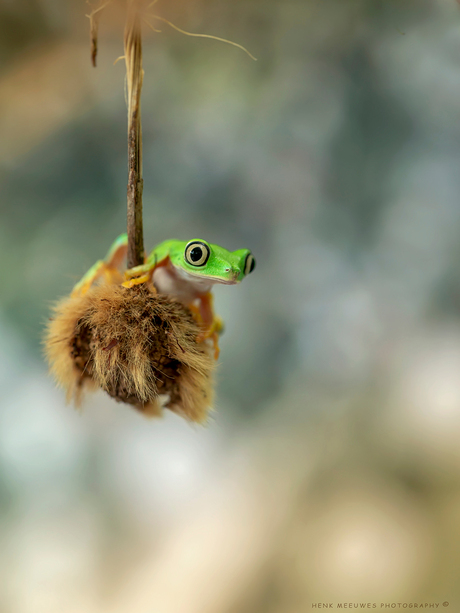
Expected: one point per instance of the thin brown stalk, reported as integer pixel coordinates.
(94, 26)
(134, 77)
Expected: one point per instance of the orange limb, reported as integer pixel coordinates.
(108, 268)
(143, 273)
(211, 324)
(138, 280)
(101, 269)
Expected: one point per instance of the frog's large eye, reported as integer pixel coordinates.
(197, 253)
(250, 264)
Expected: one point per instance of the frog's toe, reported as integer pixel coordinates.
(215, 342)
(136, 281)
(218, 325)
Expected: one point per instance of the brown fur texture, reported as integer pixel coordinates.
(138, 346)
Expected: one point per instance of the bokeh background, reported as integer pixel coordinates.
(330, 471)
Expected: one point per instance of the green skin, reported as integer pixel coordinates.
(223, 266)
(174, 273)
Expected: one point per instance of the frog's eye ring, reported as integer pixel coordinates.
(250, 264)
(197, 253)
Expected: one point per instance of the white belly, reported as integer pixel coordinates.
(180, 284)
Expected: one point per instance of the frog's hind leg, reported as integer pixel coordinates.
(211, 324)
(94, 273)
(117, 252)
(107, 268)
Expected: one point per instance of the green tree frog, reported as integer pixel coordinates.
(185, 270)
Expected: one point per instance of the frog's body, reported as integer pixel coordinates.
(184, 270)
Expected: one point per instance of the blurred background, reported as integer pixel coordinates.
(330, 471)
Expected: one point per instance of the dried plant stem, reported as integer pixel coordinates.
(94, 26)
(134, 77)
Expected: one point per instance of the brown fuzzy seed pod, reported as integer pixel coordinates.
(138, 346)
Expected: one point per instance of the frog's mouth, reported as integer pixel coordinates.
(233, 281)
(195, 276)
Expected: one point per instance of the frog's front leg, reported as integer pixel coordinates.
(144, 272)
(138, 274)
(211, 324)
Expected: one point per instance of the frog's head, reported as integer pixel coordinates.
(213, 263)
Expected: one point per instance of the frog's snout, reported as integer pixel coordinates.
(233, 274)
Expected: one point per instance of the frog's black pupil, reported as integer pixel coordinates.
(253, 264)
(196, 254)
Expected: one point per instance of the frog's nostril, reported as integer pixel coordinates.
(227, 270)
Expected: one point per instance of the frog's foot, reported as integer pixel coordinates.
(137, 275)
(209, 331)
(219, 325)
(212, 332)
(137, 271)
(136, 281)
